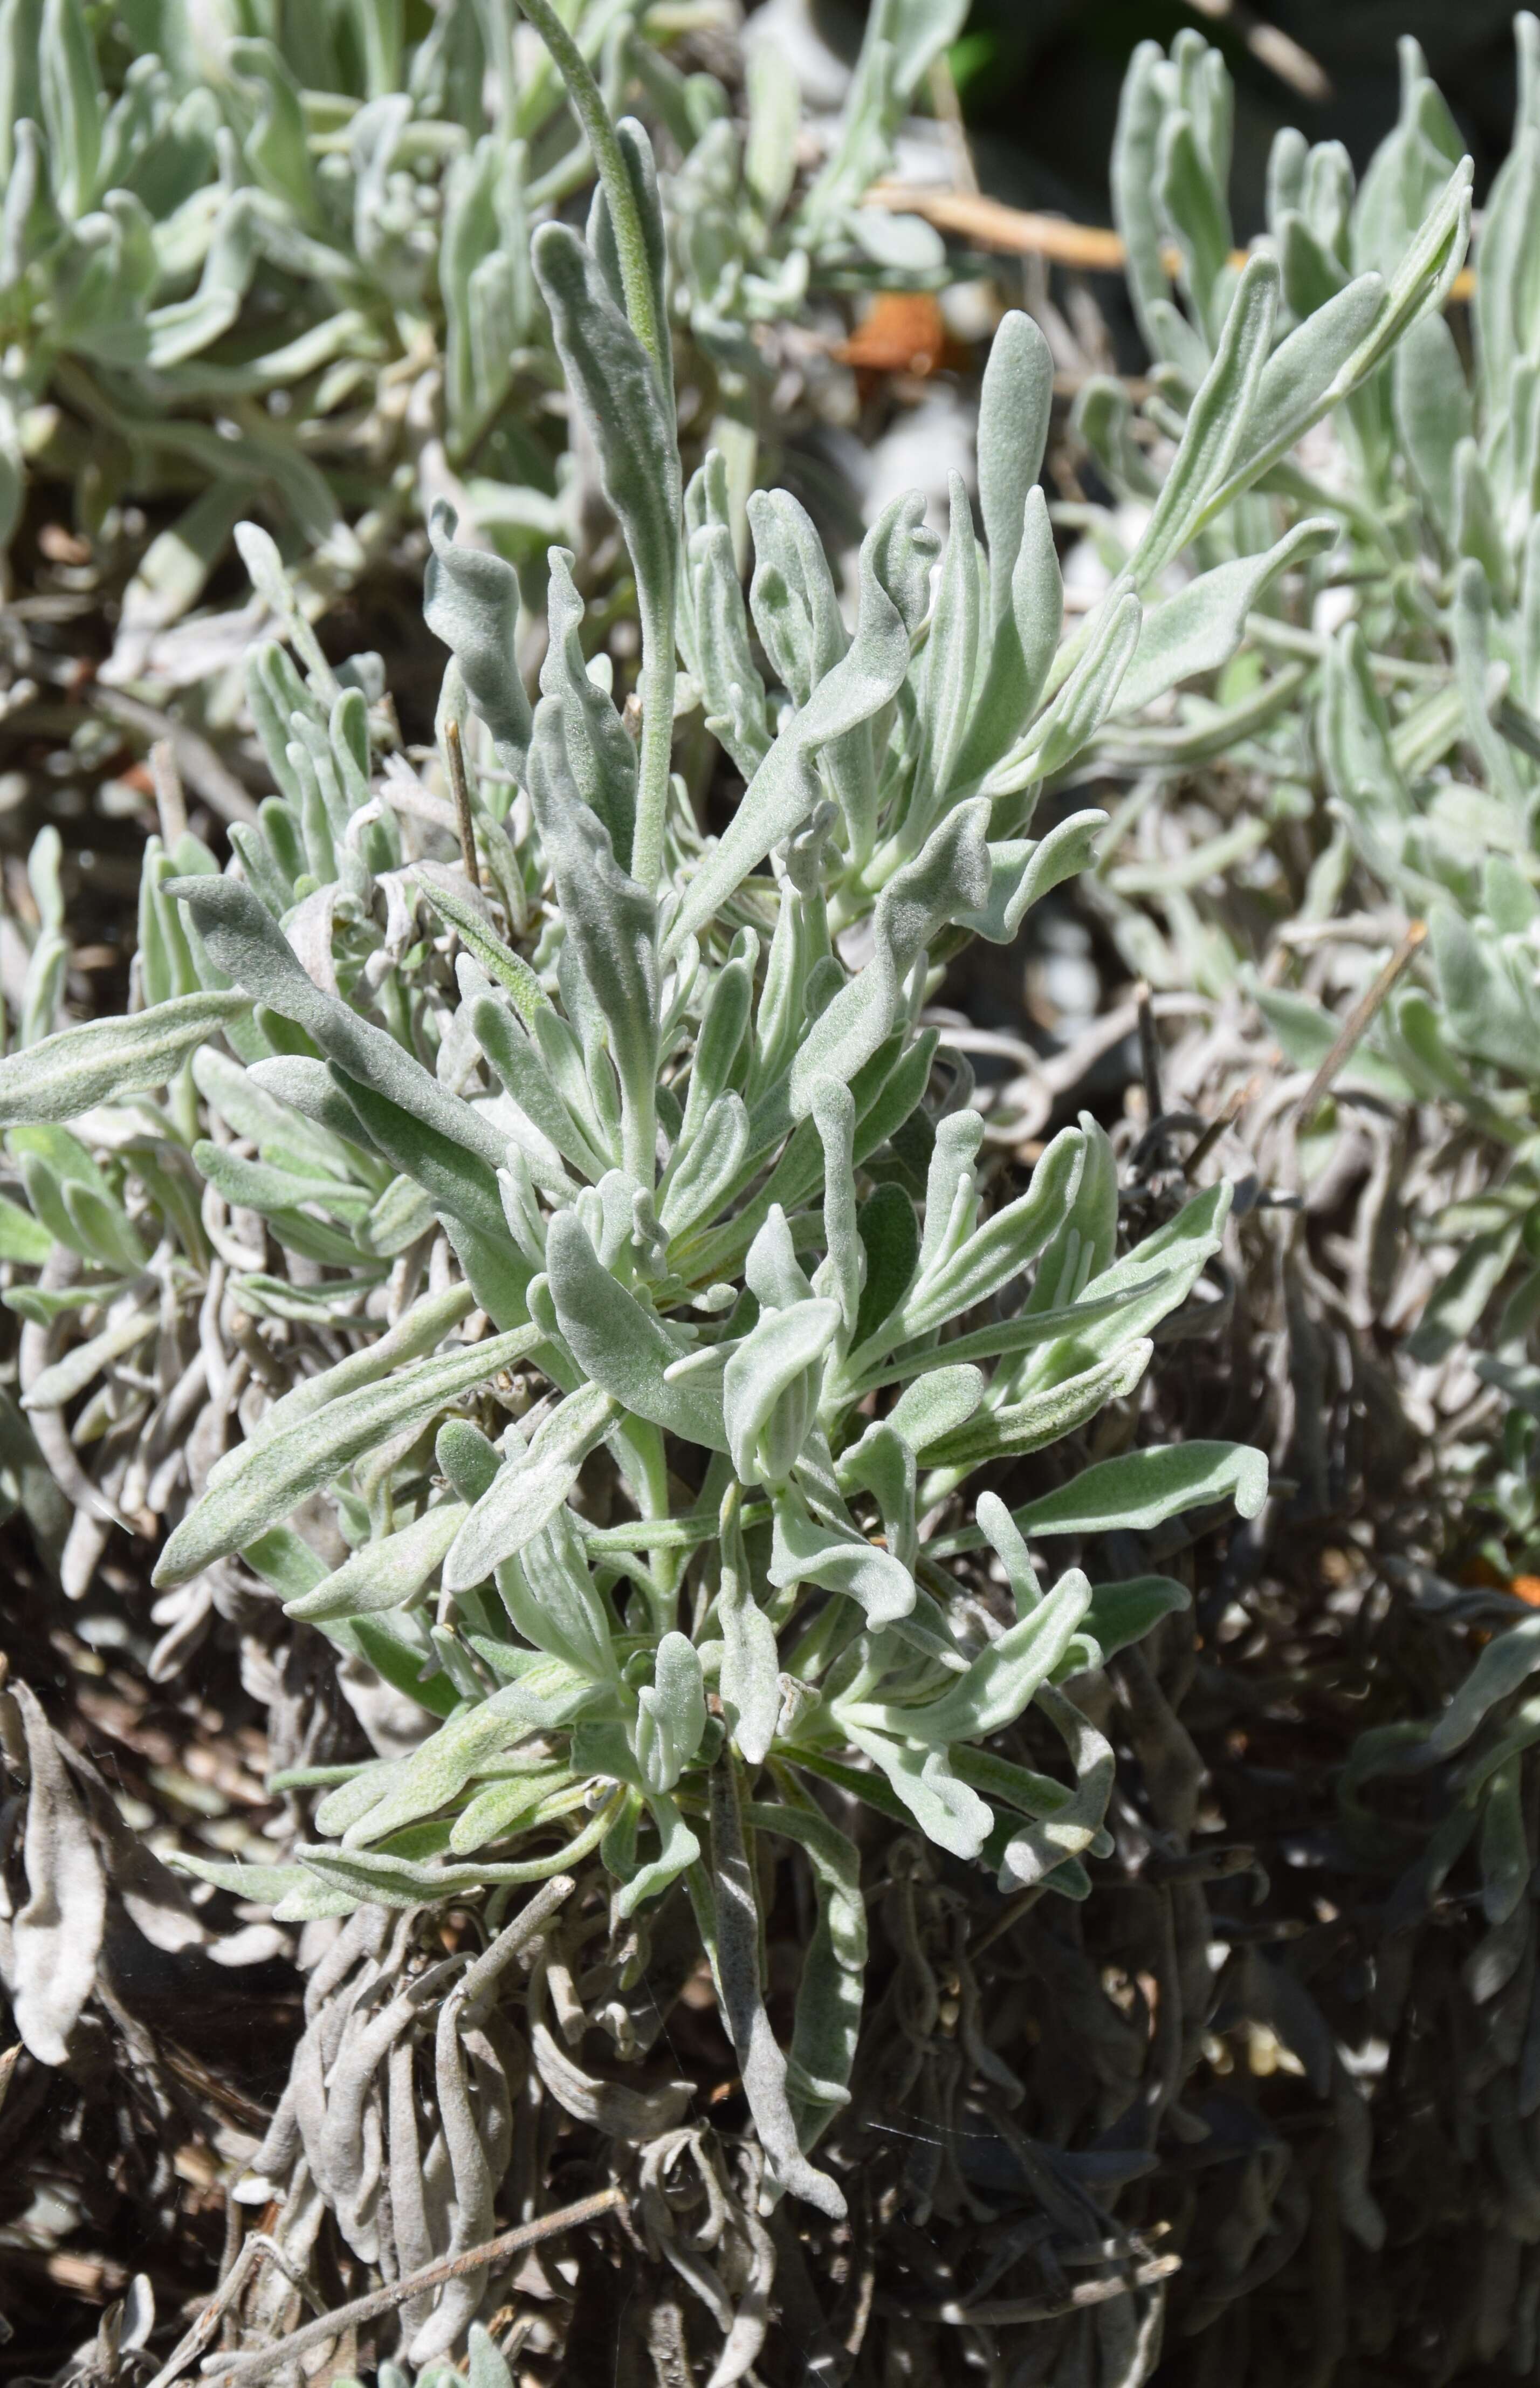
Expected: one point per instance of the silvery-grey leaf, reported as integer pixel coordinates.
(249, 944)
(1014, 401)
(620, 1344)
(947, 880)
(784, 790)
(387, 1573)
(770, 1388)
(100, 1061)
(471, 600)
(611, 925)
(49, 1948)
(749, 1679)
(737, 1937)
(612, 2107)
(532, 1485)
(280, 1471)
(808, 1552)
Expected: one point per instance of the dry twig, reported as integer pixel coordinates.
(331, 2326)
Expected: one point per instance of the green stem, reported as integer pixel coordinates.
(588, 104)
(631, 243)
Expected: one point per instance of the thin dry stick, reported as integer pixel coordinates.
(1149, 1052)
(1019, 231)
(1012, 231)
(1360, 1017)
(462, 795)
(254, 2250)
(1049, 2308)
(1012, 1913)
(432, 2276)
(1216, 1127)
(1274, 48)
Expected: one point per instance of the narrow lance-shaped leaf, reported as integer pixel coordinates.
(749, 1680)
(1200, 629)
(1000, 1250)
(737, 1935)
(275, 1475)
(827, 2023)
(247, 944)
(384, 1574)
(101, 1060)
(1002, 1681)
(1137, 1491)
(471, 600)
(621, 1344)
(611, 921)
(1216, 424)
(530, 1487)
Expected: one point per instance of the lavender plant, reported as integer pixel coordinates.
(672, 1164)
(211, 219)
(186, 1206)
(601, 1320)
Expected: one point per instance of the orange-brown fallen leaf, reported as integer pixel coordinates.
(903, 332)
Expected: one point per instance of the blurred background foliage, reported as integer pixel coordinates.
(1039, 80)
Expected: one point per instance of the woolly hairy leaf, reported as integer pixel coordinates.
(422, 1328)
(1505, 1663)
(622, 1343)
(247, 944)
(510, 969)
(49, 1946)
(1200, 629)
(1123, 1613)
(1139, 1492)
(548, 1693)
(266, 1478)
(947, 880)
(671, 1714)
(1015, 398)
(940, 1801)
(1493, 1007)
(103, 1060)
(386, 1574)
(1216, 424)
(1000, 1250)
(769, 1389)
(1043, 1416)
(550, 1595)
(735, 1938)
(749, 1678)
(1000, 1682)
(808, 1552)
(937, 1404)
(611, 922)
(471, 599)
(532, 1485)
